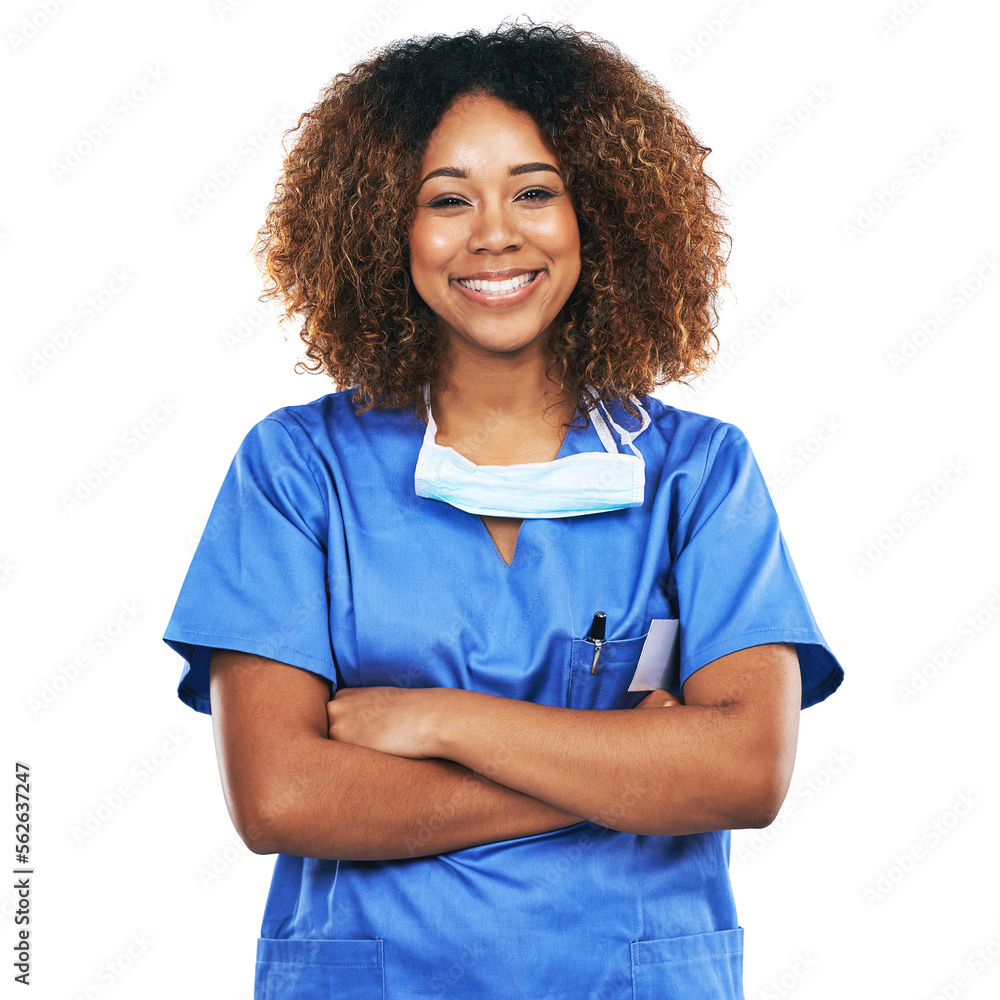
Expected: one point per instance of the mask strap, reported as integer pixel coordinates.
(627, 437)
(431, 426)
(600, 426)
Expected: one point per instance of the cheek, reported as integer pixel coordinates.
(563, 230)
(432, 246)
(418, 248)
(421, 260)
(564, 240)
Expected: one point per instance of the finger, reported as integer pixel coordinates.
(661, 698)
(655, 699)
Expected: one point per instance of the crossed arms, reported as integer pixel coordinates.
(384, 773)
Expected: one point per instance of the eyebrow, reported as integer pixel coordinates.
(521, 168)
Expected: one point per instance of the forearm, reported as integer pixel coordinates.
(350, 802)
(679, 770)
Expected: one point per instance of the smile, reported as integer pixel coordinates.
(509, 292)
(497, 287)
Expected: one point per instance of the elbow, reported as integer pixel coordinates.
(256, 824)
(259, 839)
(752, 812)
(762, 798)
(761, 812)
(272, 807)
(262, 820)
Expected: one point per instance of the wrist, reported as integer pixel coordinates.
(448, 708)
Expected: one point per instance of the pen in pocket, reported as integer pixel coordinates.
(596, 636)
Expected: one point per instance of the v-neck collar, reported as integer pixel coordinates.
(399, 455)
(574, 441)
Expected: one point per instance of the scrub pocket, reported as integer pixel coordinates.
(294, 968)
(608, 687)
(695, 967)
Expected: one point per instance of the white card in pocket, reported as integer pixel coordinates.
(659, 656)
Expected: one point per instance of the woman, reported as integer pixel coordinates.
(502, 243)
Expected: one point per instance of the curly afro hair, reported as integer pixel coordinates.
(335, 244)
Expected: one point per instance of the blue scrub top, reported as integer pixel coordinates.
(318, 553)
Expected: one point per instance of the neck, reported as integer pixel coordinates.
(500, 391)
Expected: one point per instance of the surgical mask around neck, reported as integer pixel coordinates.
(585, 483)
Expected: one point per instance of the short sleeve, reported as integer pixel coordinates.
(733, 580)
(257, 580)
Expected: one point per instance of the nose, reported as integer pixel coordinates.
(494, 229)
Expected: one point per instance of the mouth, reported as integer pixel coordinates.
(505, 287)
(510, 291)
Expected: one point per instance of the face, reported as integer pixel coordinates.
(495, 244)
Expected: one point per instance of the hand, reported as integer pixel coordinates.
(395, 720)
(658, 698)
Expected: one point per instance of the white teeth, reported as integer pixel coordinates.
(498, 287)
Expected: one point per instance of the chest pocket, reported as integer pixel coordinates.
(607, 687)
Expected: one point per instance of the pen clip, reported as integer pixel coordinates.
(597, 652)
(596, 635)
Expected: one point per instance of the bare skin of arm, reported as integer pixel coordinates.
(721, 761)
(291, 789)
(283, 783)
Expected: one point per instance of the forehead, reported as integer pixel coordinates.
(477, 128)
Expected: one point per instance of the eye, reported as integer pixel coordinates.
(448, 201)
(541, 194)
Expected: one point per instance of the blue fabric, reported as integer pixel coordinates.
(318, 553)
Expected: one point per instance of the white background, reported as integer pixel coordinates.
(883, 472)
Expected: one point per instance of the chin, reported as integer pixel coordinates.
(507, 333)
(504, 344)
